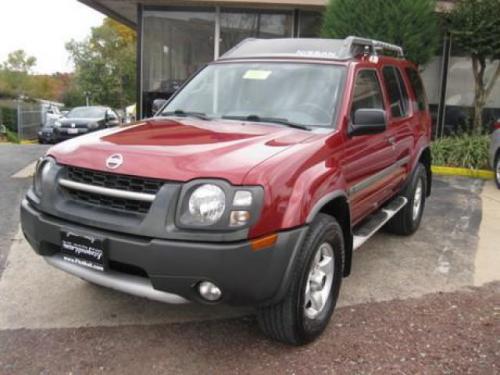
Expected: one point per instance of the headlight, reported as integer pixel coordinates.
(206, 205)
(217, 205)
(42, 168)
(57, 124)
(93, 125)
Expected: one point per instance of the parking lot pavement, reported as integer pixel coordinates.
(13, 158)
(391, 308)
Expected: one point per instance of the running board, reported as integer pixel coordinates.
(375, 221)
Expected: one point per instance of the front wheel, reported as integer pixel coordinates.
(312, 295)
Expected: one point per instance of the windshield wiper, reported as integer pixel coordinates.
(275, 120)
(182, 113)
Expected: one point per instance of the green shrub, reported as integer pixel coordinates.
(12, 137)
(8, 116)
(462, 151)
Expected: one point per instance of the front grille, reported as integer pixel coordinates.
(109, 202)
(112, 181)
(115, 181)
(77, 126)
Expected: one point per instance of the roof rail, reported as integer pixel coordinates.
(334, 49)
(375, 46)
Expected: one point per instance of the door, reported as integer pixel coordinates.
(368, 159)
(401, 121)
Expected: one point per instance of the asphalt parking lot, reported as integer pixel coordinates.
(429, 304)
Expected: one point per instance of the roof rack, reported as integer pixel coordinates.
(334, 49)
(374, 46)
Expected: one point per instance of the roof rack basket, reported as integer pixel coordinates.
(359, 46)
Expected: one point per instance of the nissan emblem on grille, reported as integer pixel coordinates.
(114, 161)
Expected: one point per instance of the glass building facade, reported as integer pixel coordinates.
(177, 41)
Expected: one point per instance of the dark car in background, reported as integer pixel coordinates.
(83, 120)
(46, 134)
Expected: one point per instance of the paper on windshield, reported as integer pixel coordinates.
(257, 74)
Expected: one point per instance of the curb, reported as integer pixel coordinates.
(463, 172)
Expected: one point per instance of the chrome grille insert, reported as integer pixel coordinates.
(115, 193)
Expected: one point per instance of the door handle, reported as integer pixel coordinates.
(391, 140)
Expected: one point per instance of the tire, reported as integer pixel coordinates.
(407, 221)
(294, 320)
(497, 170)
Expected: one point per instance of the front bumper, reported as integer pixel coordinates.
(61, 134)
(46, 137)
(174, 268)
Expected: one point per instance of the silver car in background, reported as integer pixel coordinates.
(495, 152)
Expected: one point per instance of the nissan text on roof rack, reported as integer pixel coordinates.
(252, 186)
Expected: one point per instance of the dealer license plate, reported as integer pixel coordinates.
(84, 250)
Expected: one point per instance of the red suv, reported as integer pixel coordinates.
(252, 186)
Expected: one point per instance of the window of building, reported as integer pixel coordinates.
(367, 92)
(310, 24)
(396, 90)
(418, 88)
(237, 25)
(177, 42)
(175, 45)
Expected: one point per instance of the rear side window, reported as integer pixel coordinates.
(367, 92)
(396, 90)
(418, 88)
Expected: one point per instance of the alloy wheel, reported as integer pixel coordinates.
(319, 281)
(417, 199)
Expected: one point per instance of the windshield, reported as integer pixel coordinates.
(87, 112)
(298, 93)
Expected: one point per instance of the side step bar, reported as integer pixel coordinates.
(375, 221)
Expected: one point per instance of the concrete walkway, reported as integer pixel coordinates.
(487, 265)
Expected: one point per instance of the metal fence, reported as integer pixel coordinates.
(29, 119)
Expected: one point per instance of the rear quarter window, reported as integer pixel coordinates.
(418, 88)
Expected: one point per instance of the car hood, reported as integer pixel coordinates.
(181, 149)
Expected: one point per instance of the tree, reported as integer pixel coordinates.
(105, 64)
(15, 73)
(411, 24)
(19, 61)
(475, 29)
(17, 79)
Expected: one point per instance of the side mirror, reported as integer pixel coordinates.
(368, 121)
(158, 104)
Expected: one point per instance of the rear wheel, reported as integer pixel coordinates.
(308, 305)
(497, 170)
(407, 221)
